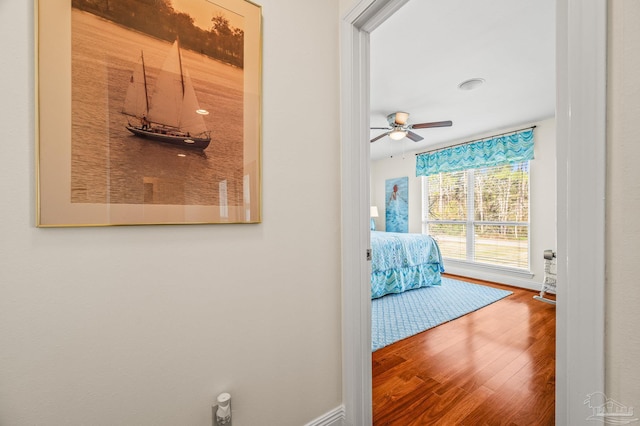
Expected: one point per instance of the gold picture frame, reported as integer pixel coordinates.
(148, 114)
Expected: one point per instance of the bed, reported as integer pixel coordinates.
(401, 262)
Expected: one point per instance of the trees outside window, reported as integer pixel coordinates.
(480, 215)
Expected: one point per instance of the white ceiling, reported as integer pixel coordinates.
(423, 52)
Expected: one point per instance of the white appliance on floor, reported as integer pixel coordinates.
(550, 273)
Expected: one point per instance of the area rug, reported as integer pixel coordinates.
(397, 316)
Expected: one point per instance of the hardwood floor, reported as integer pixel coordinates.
(494, 366)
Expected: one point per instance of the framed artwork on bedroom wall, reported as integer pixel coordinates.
(148, 112)
(397, 204)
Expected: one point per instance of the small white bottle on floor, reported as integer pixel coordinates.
(223, 414)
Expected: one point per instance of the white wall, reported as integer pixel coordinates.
(146, 325)
(543, 203)
(623, 203)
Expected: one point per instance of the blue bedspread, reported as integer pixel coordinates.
(403, 262)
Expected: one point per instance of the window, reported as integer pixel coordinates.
(480, 215)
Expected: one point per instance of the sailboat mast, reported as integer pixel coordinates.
(180, 64)
(144, 76)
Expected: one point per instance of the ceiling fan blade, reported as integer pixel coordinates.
(414, 136)
(380, 128)
(379, 137)
(433, 124)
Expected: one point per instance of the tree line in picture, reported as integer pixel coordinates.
(159, 19)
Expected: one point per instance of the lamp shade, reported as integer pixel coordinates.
(374, 211)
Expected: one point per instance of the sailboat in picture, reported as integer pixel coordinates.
(171, 114)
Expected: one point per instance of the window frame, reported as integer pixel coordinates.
(470, 223)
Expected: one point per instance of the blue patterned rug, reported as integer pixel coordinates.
(398, 316)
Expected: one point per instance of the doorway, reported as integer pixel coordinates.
(581, 105)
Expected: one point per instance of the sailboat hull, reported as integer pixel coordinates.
(166, 136)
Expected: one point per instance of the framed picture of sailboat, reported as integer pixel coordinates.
(148, 112)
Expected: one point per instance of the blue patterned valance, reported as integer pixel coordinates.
(503, 149)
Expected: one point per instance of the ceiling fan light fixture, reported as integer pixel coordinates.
(471, 84)
(397, 134)
(401, 117)
(397, 118)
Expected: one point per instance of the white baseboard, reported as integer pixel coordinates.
(334, 417)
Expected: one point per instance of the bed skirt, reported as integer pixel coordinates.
(402, 262)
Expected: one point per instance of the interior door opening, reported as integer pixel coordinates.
(428, 87)
(581, 105)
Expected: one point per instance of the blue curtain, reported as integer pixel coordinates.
(511, 148)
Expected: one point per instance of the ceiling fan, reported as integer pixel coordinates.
(398, 127)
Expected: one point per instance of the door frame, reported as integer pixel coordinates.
(581, 34)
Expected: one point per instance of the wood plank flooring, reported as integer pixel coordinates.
(495, 366)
